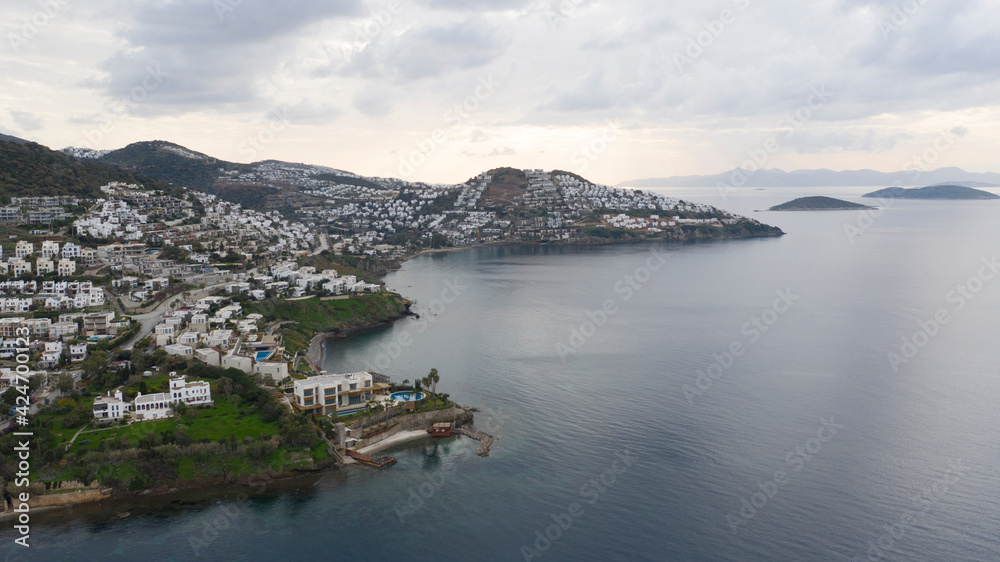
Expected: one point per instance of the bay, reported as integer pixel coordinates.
(585, 363)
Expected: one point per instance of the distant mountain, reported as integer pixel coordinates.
(818, 204)
(27, 168)
(821, 178)
(933, 192)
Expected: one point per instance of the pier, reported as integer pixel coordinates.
(485, 440)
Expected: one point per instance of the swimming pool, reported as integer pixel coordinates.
(406, 396)
(262, 355)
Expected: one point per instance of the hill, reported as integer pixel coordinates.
(9, 138)
(170, 162)
(265, 185)
(32, 169)
(933, 192)
(818, 203)
(819, 178)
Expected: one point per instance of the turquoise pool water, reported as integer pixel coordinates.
(406, 396)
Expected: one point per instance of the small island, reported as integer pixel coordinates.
(818, 203)
(943, 191)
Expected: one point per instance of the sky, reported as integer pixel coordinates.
(441, 90)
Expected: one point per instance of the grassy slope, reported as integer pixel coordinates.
(313, 316)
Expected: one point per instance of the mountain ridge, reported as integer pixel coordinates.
(775, 177)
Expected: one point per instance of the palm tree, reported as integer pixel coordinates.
(433, 378)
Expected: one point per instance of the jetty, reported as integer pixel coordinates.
(485, 440)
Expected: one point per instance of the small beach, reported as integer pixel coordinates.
(400, 437)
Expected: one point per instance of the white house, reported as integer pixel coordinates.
(44, 265)
(208, 355)
(70, 251)
(193, 393)
(277, 369)
(327, 394)
(158, 406)
(188, 338)
(50, 248)
(109, 408)
(240, 362)
(52, 352)
(66, 268)
(24, 249)
(179, 350)
(60, 329)
(220, 338)
(77, 352)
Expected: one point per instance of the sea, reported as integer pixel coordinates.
(831, 394)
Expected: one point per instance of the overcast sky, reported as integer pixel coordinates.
(439, 90)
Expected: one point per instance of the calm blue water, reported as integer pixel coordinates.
(608, 443)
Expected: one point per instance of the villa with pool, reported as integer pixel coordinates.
(334, 394)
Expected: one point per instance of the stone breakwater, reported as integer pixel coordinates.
(484, 439)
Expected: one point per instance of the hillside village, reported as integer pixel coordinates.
(128, 265)
(140, 307)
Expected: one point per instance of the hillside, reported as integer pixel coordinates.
(9, 138)
(818, 203)
(933, 192)
(304, 319)
(266, 185)
(32, 169)
(170, 162)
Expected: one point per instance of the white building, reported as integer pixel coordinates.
(24, 249)
(328, 394)
(179, 350)
(44, 265)
(66, 268)
(240, 362)
(158, 406)
(70, 251)
(208, 355)
(109, 408)
(277, 369)
(77, 352)
(60, 329)
(189, 338)
(50, 249)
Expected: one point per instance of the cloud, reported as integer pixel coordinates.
(307, 112)
(29, 122)
(505, 151)
(433, 50)
(868, 141)
(480, 6)
(207, 59)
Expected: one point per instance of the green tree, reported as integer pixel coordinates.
(65, 383)
(94, 364)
